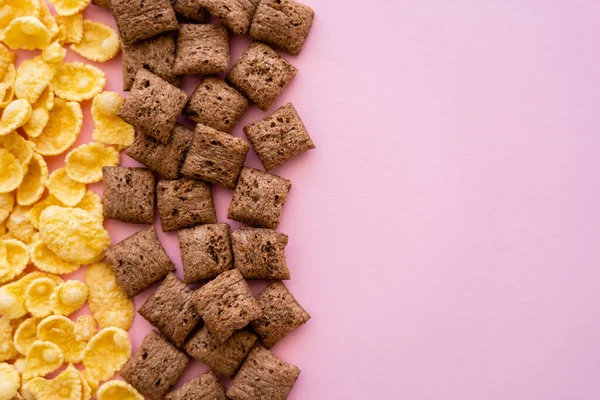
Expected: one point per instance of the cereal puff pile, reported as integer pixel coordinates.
(51, 223)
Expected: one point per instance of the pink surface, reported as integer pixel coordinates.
(443, 235)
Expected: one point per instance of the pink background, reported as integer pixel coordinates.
(444, 234)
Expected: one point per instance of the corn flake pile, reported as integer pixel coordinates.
(51, 224)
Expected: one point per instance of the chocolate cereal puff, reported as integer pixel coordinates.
(216, 104)
(185, 202)
(204, 387)
(156, 54)
(263, 376)
(102, 3)
(258, 198)
(234, 14)
(205, 251)
(153, 105)
(282, 23)
(281, 314)
(170, 310)
(224, 358)
(142, 19)
(226, 304)
(129, 194)
(215, 157)
(139, 261)
(164, 158)
(279, 137)
(202, 49)
(189, 9)
(260, 253)
(155, 367)
(261, 74)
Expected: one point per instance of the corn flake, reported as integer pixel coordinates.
(17, 255)
(92, 203)
(85, 327)
(19, 147)
(11, 381)
(77, 81)
(45, 260)
(106, 353)
(109, 128)
(26, 33)
(7, 203)
(33, 76)
(11, 171)
(7, 348)
(47, 18)
(12, 295)
(7, 86)
(38, 297)
(34, 182)
(40, 113)
(100, 42)
(62, 130)
(19, 224)
(84, 163)
(65, 189)
(12, 9)
(73, 234)
(68, 297)
(54, 53)
(26, 335)
(73, 27)
(66, 386)
(14, 116)
(86, 390)
(108, 303)
(118, 390)
(60, 330)
(7, 58)
(36, 210)
(42, 359)
(69, 7)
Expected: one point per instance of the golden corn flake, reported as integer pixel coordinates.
(47, 18)
(84, 163)
(73, 234)
(7, 202)
(14, 116)
(118, 390)
(26, 335)
(42, 359)
(85, 327)
(86, 390)
(66, 386)
(19, 147)
(73, 27)
(10, 383)
(7, 348)
(36, 210)
(7, 58)
(38, 297)
(12, 9)
(26, 33)
(60, 330)
(100, 42)
(92, 203)
(69, 7)
(108, 303)
(54, 53)
(106, 353)
(45, 260)
(33, 76)
(7, 86)
(62, 130)
(19, 223)
(12, 295)
(77, 81)
(17, 255)
(68, 297)
(34, 182)
(11, 171)
(40, 113)
(65, 189)
(108, 127)
(93, 383)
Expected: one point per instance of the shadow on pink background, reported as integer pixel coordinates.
(444, 234)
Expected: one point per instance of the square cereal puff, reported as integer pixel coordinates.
(129, 194)
(215, 157)
(153, 105)
(224, 358)
(156, 54)
(216, 104)
(155, 367)
(279, 137)
(164, 158)
(282, 23)
(185, 202)
(205, 386)
(205, 251)
(139, 261)
(260, 253)
(281, 314)
(259, 198)
(142, 19)
(202, 49)
(170, 310)
(263, 376)
(261, 74)
(226, 304)
(189, 9)
(234, 14)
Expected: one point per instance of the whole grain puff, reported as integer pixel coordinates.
(202, 49)
(142, 19)
(185, 202)
(204, 387)
(189, 9)
(260, 253)
(129, 194)
(205, 251)
(234, 14)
